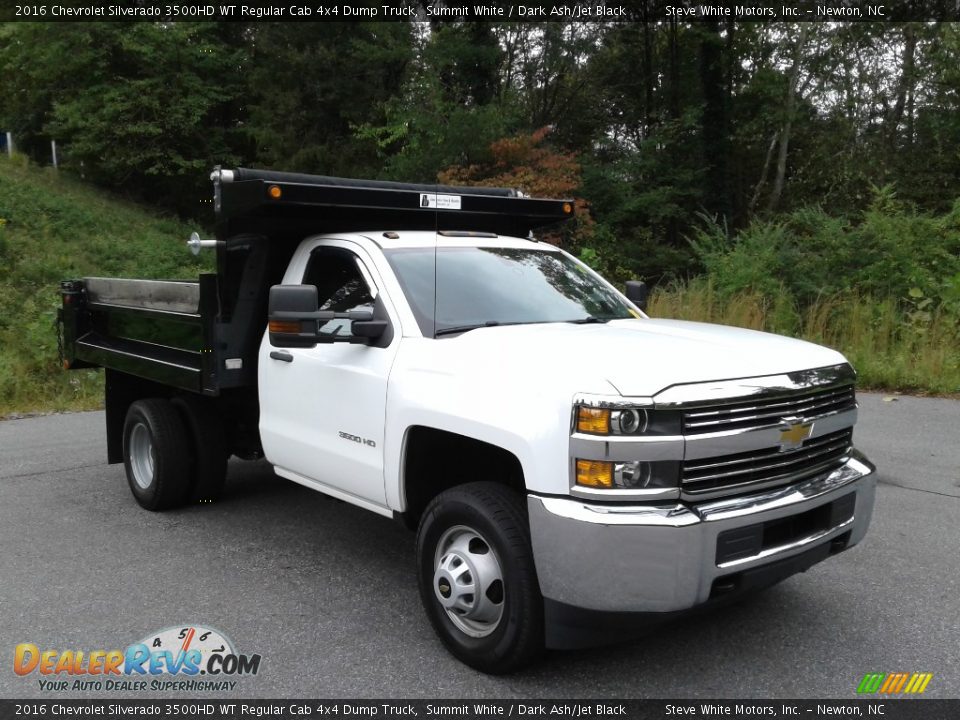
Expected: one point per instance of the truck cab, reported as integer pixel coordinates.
(574, 469)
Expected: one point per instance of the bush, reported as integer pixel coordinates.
(883, 288)
(888, 252)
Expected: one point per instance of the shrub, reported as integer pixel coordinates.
(890, 251)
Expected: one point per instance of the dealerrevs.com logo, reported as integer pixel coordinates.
(186, 658)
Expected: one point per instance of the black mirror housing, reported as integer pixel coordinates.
(637, 292)
(298, 299)
(294, 320)
(292, 316)
(369, 329)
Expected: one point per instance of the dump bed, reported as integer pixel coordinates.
(154, 329)
(203, 336)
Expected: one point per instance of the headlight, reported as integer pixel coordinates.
(627, 421)
(634, 475)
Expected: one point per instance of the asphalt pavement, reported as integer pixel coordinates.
(326, 592)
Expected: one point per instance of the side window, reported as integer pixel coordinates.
(339, 282)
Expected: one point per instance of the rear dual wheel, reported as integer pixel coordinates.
(209, 447)
(174, 452)
(157, 454)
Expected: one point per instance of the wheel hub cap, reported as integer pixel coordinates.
(141, 456)
(468, 581)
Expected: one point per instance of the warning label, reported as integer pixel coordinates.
(441, 202)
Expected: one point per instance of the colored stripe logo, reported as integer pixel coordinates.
(895, 683)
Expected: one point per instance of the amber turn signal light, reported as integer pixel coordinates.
(595, 473)
(284, 326)
(593, 420)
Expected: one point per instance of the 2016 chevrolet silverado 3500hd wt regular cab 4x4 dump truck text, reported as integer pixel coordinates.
(572, 467)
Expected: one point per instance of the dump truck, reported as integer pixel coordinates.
(575, 470)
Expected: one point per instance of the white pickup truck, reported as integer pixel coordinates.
(574, 469)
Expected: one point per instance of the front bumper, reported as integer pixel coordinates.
(667, 558)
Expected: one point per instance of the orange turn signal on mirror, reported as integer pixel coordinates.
(595, 473)
(284, 326)
(593, 420)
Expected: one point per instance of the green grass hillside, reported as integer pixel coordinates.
(52, 228)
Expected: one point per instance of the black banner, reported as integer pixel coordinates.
(252, 11)
(881, 708)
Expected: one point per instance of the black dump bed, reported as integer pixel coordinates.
(203, 336)
(277, 202)
(160, 330)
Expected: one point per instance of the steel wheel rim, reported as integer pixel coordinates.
(141, 456)
(468, 581)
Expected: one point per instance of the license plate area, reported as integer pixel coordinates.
(753, 540)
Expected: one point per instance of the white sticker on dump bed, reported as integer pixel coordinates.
(441, 202)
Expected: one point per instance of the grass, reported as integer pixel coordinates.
(53, 228)
(891, 347)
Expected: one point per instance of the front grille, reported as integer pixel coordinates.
(760, 412)
(725, 472)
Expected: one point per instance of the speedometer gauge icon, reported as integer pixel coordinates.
(179, 640)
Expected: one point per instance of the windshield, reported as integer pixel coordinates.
(500, 286)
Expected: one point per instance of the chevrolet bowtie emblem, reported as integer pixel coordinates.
(793, 431)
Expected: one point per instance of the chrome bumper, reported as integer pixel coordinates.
(663, 558)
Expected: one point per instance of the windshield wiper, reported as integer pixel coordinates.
(496, 323)
(589, 320)
(467, 328)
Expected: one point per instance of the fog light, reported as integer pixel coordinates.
(632, 474)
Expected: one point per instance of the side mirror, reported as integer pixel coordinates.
(294, 320)
(637, 293)
(292, 316)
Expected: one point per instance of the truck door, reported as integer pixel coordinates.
(322, 409)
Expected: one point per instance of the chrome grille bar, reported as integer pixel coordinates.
(763, 466)
(759, 413)
(773, 402)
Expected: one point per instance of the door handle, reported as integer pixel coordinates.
(281, 355)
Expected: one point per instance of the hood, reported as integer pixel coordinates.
(638, 357)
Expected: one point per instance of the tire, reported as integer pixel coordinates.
(468, 535)
(209, 444)
(157, 454)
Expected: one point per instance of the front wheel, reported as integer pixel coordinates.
(477, 578)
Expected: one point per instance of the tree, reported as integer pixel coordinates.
(794, 90)
(527, 163)
(436, 118)
(313, 84)
(146, 108)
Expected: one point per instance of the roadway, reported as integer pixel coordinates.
(326, 592)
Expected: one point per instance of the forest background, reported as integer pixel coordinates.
(799, 178)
